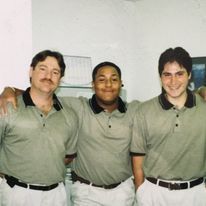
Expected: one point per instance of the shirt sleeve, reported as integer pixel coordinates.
(71, 147)
(77, 106)
(5, 120)
(2, 128)
(75, 103)
(138, 142)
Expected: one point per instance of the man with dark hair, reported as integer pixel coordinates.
(102, 64)
(102, 172)
(169, 139)
(37, 139)
(41, 56)
(178, 55)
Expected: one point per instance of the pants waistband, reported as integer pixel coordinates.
(75, 178)
(178, 185)
(12, 181)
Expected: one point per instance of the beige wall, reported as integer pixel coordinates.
(16, 42)
(129, 33)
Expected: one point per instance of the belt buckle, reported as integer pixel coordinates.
(174, 186)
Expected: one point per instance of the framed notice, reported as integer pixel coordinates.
(198, 77)
(78, 71)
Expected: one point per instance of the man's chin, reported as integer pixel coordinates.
(48, 90)
(109, 101)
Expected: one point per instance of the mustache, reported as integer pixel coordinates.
(47, 80)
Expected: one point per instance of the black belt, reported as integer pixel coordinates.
(11, 181)
(75, 178)
(176, 186)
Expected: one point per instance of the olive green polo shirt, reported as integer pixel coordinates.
(104, 140)
(33, 146)
(172, 140)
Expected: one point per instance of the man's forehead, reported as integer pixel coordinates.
(48, 62)
(107, 70)
(173, 67)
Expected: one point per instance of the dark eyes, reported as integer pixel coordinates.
(44, 69)
(178, 74)
(103, 80)
(56, 72)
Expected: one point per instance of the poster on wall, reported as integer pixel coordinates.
(198, 73)
(78, 72)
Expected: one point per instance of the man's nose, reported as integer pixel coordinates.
(48, 74)
(173, 79)
(108, 83)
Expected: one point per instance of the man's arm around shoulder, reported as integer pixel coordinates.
(9, 94)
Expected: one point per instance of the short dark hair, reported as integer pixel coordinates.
(103, 64)
(178, 54)
(41, 56)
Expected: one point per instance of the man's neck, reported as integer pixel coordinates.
(178, 102)
(109, 107)
(42, 101)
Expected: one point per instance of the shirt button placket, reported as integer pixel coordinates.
(177, 123)
(43, 120)
(109, 122)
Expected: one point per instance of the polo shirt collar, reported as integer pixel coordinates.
(190, 101)
(28, 100)
(97, 109)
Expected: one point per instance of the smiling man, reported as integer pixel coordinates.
(36, 138)
(169, 139)
(101, 172)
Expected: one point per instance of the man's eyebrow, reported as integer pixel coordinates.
(43, 65)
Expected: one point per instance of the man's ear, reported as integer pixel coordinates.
(93, 85)
(30, 72)
(189, 77)
(122, 84)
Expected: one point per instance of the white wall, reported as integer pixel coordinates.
(16, 42)
(129, 33)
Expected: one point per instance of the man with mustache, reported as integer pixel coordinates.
(102, 172)
(37, 139)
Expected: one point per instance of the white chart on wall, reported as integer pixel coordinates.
(78, 71)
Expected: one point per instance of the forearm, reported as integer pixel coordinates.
(138, 177)
(138, 173)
